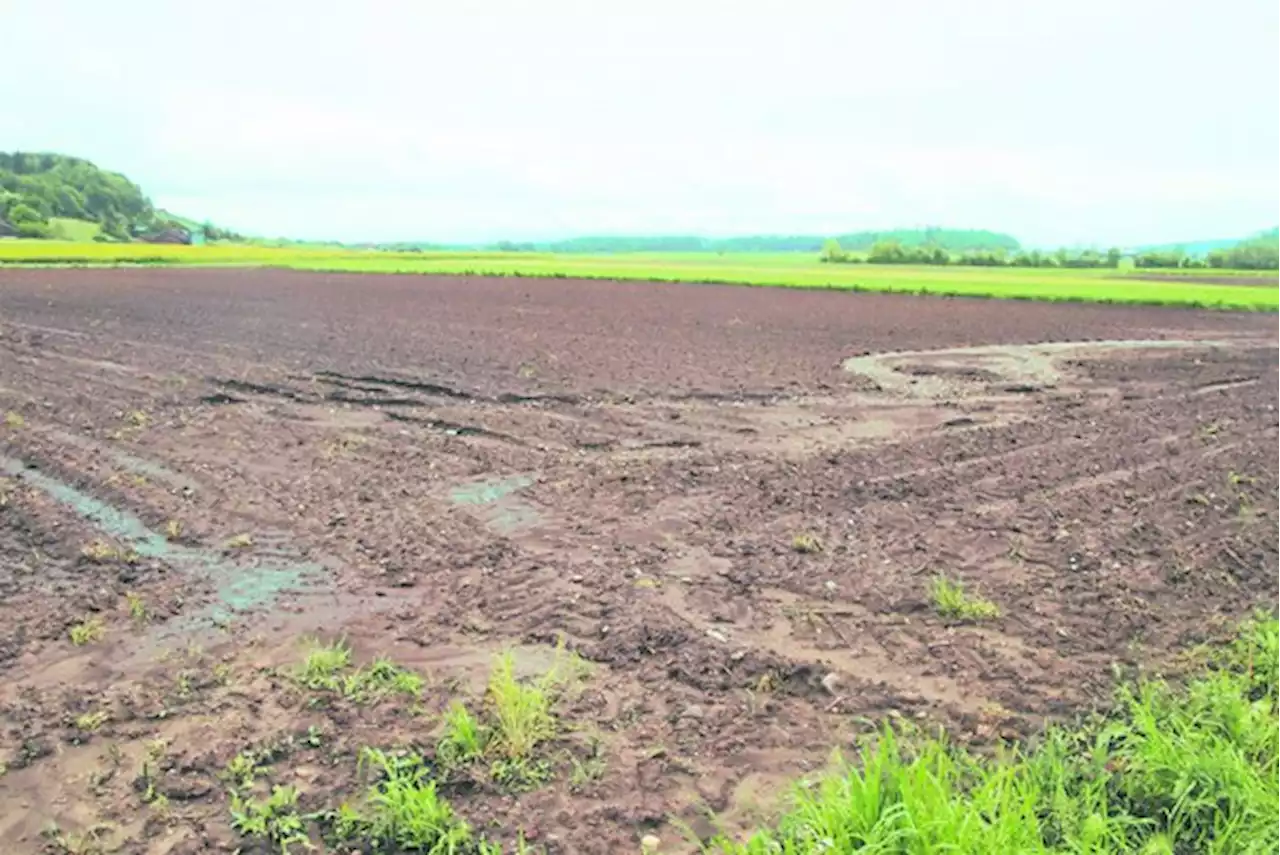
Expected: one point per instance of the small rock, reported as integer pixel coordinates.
(576, 577)
(738, 655)
(830, 586)
(693, 711)
(832, 683)
(185, 789)
(717, 635)
(650, 843)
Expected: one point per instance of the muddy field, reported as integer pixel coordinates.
(728, 502)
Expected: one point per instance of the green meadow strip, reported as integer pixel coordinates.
(790, 270)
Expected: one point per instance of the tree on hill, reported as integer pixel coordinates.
(38, 186)
(27, 220)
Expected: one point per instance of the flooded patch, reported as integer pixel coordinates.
(495, 498)
(252, 583)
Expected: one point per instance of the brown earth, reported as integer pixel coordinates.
(441, 469)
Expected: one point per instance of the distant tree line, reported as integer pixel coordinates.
(1261, 252)
(894, 252)
(1258, 253)
(954, 240)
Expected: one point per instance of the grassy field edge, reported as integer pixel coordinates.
(759, 270)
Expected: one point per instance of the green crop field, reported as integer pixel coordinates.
(68, 229)
(793, 270)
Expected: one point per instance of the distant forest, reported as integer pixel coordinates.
(952, 240)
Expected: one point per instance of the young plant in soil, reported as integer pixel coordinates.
(90, 722)
(951, 602)
(241, 772)
(402, 810)
(275, 820)
(590, 769)
(380, 679)
(323, 664)
(464, 739)
(137, 608)
(87, 631)
(806, 544)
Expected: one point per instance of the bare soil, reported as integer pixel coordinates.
(440, 469)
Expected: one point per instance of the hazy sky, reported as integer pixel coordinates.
(1093, 121)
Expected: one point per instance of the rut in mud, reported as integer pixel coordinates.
(729, 502)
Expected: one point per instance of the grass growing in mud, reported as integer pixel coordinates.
(1170, 771)
(952, 602)
(401, 807)
(87, 631)
(516, 720)
(325, 668)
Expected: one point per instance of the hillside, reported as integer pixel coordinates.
(45, 195)
(37, 189)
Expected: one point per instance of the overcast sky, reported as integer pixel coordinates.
(1060, 121)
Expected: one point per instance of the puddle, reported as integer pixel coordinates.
(250, 583)
(495, 498)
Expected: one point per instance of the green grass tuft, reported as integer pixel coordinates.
(324, 664)
(951, 602)
(87, 631)
(806, 544)
(402, 810)
(380, 679)
(464, 739)
(521, 711)
(275, 820)
(325, 669)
